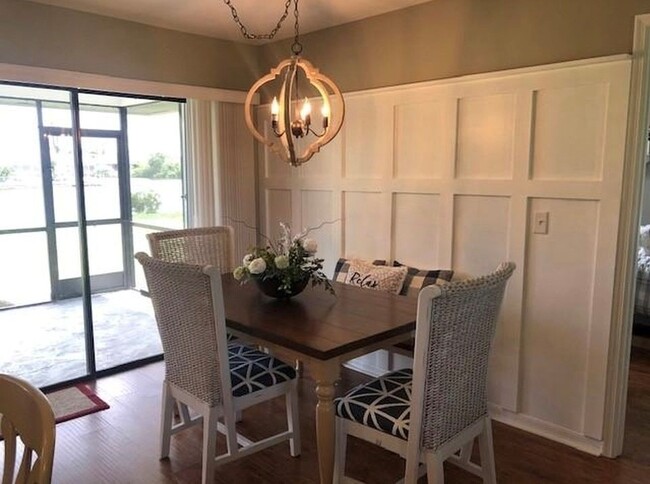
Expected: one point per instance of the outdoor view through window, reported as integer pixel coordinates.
(130, 151)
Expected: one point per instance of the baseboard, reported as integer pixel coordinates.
(547, 430)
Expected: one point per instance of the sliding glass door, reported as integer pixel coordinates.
(79, 188)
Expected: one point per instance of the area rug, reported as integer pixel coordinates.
(75, 401)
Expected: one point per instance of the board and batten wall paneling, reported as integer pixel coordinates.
(455, 173)
(416, 248)
(558, 264)
(481, 237)
(486, 136)
(318, 210)
(364, 225)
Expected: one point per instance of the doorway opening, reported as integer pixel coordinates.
(84, 176)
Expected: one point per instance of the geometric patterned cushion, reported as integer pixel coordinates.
(416, 279)
(383, 404)
(252, 370)
(343, 267)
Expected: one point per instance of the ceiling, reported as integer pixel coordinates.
(213, 18)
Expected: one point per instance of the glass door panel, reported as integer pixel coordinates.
(101, 182)
(25, 274)
(42, 338)
(21, 180)
(128, 190)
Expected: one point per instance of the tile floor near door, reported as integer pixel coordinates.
(45, 343)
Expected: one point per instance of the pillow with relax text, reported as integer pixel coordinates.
(416, 279)
(343, 267)
(380, 278)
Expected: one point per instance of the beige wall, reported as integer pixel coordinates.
(449, 38)
(439, 39)
(45, 36)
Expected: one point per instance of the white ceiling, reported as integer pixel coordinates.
(213, 17)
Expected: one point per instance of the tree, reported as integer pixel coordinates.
(158, 166)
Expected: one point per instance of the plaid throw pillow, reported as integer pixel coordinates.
(416, 279)
(343, 267)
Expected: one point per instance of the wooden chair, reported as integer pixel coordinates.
(432, 412)
(26, 414)
(203, 246)
(204, 372)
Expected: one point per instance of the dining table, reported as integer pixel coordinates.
(322, 331)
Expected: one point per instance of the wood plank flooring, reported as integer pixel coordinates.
(120, 445)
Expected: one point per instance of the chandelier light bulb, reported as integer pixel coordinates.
(305, 112)
(275, 108)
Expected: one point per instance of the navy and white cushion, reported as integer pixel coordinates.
(252, 370)
(416, 279)
(383, 404)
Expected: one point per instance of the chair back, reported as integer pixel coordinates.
(188, 305)
(454, 331)
(26, 414)
(205, 246)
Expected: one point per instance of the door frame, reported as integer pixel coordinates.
(72, 287)
(620, 341)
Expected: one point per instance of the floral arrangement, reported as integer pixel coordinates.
(289, 261)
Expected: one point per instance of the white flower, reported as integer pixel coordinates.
(281, 262)
(239, 272)
(310, 245)
(247, 259)
(257, 266)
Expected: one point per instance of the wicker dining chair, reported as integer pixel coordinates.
(430, 413)
(206, 373)
(26, 415)
(204, 246)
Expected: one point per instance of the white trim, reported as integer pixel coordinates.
(623, 298)
(493, 75)
(83, 80)
(545, 429)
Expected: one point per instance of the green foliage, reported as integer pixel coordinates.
(5, 172)
(158, 166)
(288, 261)
(145, 202)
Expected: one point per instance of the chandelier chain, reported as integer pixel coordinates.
(296, 47)
(271, 34)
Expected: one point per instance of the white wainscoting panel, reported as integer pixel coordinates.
(481, 226)
(365, 225)
(486, 136)
(558, 290)
(368, 118)
(451, 174)
(278, 209)
(423, 139)
(417, 248)
(560, 150)
(318, 208)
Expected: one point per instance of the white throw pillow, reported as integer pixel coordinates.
(380, 278)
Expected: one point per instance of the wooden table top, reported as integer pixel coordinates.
(315, 322)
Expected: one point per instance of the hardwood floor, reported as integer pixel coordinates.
(119, 445)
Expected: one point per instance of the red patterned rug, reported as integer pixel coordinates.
(75, 401)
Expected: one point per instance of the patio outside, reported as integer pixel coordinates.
(45, 343)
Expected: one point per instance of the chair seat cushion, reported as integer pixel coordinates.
(252, 370)
(383, 403)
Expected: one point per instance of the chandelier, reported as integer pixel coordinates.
(308, 110)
